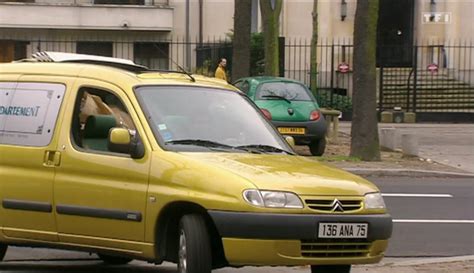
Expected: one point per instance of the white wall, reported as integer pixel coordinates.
(218, 18)
(86, 17)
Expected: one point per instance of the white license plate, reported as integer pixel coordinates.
(343, 230)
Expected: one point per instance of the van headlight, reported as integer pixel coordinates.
(272, 199)
(374, 201)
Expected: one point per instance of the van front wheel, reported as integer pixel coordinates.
(3, 251)
(331, 268)
(194, 248)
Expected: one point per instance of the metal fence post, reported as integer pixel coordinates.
(415, 77)
(381, 90)
(332, 75)
(408, 89)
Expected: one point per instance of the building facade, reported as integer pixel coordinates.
(109, 23)
(425, 56)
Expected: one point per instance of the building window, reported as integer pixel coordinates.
(152, 55)
(20, 50)
(120, 2)
(12, 50)
(18, 1)
(95, 48)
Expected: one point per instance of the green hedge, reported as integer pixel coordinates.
(341, 103)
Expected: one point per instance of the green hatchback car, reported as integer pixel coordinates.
(291, 108)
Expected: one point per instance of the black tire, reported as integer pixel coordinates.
(3, 251)
(317, 147)
(194, 247)
(114, 259)
(346, 268)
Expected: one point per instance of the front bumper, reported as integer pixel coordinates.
(291, 239)
(242, 252)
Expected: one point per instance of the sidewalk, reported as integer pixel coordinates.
(462, 264)
(448, 144)
(21, 259)
(444, 150)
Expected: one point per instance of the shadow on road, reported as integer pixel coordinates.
(79, 266)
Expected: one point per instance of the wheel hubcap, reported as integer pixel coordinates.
(182, 252)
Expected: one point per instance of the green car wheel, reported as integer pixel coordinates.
(317, 147)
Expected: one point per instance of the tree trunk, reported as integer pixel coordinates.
(314, 49)
(241, 42)
(365, 138)
(271, 28)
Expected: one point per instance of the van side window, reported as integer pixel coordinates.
(96, 112)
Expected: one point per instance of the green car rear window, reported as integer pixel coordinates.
(288, 90)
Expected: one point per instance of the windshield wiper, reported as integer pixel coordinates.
(253, 148)
(277, 97)
(199, 142)
(263, 148)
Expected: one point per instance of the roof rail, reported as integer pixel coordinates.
(61, 57)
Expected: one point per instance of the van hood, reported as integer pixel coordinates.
(301, 175)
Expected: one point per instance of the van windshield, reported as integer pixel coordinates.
(206, 119)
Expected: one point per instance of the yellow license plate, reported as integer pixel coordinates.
(291, 130)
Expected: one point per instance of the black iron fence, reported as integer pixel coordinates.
(438, 85)
(440, 79)
(333, 73)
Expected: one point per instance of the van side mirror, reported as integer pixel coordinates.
(291, 141)
(137, 149)
(120, 141)
(119, 136)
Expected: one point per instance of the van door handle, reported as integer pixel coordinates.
(52, 159)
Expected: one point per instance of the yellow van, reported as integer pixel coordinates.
(102, 155)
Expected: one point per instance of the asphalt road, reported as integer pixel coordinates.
(433, 217)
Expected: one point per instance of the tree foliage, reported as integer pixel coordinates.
(364, 133)
(257, 55)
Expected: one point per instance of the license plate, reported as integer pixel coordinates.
(342, 230)
(291, 130)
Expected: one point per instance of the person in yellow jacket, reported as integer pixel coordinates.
(220, 71)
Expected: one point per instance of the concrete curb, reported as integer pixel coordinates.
(425, 261)
(407, 172)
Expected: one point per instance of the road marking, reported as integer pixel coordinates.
(433, 221)
(417, 195)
